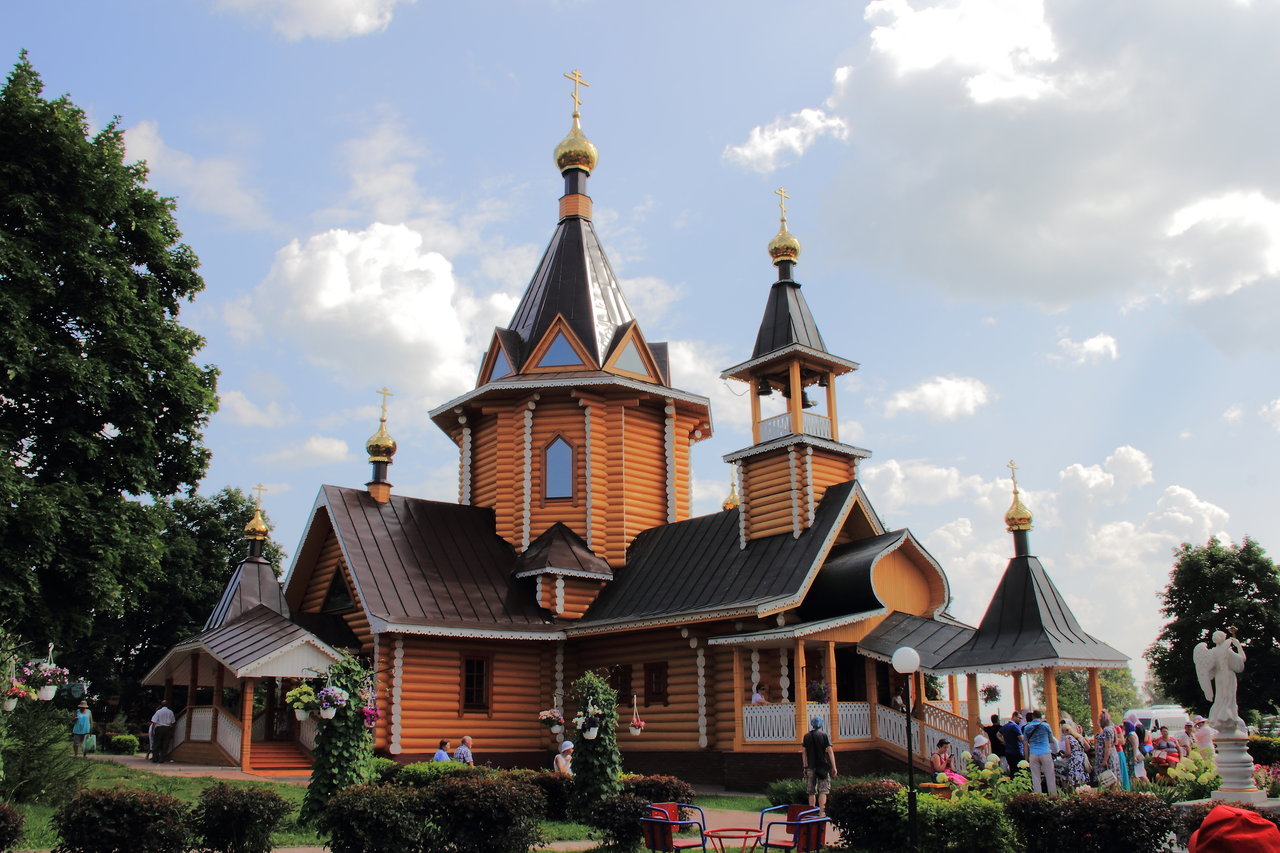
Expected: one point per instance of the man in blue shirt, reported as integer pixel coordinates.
(1039, 736)
(1011, 736)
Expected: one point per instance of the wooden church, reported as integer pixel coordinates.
(572, 547)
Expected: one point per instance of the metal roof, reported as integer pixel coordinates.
(559, 549)
(787, 321)
(251, 584)
(844, 584)
(932, 638)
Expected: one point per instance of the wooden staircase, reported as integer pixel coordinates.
(279, 758)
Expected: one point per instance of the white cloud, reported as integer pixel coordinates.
(1271, 413)
(244, 412)
(377, 306)
(1220, 244)
(1234, 413)
(893, 485)
(211, 184)
(696, 366)
(1000, 45)
(767, 147)
(330, 19)
(1128, 468)
(649, 298)
(316, 450)
(943, 397)
(1101, 347)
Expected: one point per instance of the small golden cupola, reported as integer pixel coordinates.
(732, 500)
(1018, 518)
(381, 448)
(795, 454)
(255, 532)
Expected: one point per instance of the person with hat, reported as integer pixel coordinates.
(978, 755)
(1204, 736)
(564, 759)
(819, 765)
(1227, 829)
(1186, 739)
(81, 728)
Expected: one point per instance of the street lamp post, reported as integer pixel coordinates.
(906, 661)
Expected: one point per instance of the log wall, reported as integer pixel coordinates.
(766, 493)
(558, 416)
(329, 562)
(902, 585)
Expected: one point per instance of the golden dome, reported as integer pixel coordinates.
(785, 246)
(381, 446)
(575, 151)
(257, 527)
(732, 500)
(1018, 517)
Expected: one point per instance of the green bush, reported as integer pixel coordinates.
(378, 819)
(424, 774)
(1116, 820)
(1264, 750)
(618, 819)
(385, 770)
(955, 824)
(10, 827)
(118, 820)
(596, 763)
(1190, 817)
(237, 820)
(122, 745)
(344, 751)
(1035, 820)
(659, 789)
(38, 766)
(784, 792)
(485, 814)
(558, 789)
(870, 815)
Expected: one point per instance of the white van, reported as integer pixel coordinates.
(1155, 716)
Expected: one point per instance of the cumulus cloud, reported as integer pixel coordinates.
(240, 410)
(1100, 347)
(943, 398)
(328, 19)
(1221, 244)
(895, 484)
(1233, 414)
(696, 366)
(769, 146)
(1271, 413)
(377, 306)
(316, 450)
(212, 184)
(1128, 468)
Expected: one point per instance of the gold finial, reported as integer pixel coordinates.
(784, 246)
(732, 500)
(575, 151)
(381, 446)
(1018, 517)
(257, 526)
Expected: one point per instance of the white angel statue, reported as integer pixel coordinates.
(1219, 665)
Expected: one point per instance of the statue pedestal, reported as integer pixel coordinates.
(1235, 766)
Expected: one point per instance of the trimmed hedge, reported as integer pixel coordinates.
(237, 820)
(424, 774)
(558, 790)
(385, 770)
(117, 820)
(485, 814)
(1264, 750)
(659, 789)
(618, 819)
(1092, 823)
(122, 745)
(870, 815)
(10, 827)
(378, 819)
(955, 824)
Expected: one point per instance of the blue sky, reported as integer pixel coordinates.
(1048, 232)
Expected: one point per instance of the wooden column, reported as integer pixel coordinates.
(737, 697)
(195, 683)
(168, 690)
(797, 394)
(247, 686)
(217, 701)
(755, 413)
(833, 707)
(951, 694)
(1017, 691)
(873, 695)
(801, 682)
(1051, 699)
(971, 695)
(270, 710)
(831, 405)
(1095, 697)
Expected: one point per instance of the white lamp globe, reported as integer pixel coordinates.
(906, 659)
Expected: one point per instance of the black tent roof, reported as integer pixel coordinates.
(787, 321)
(559, 550)
(253, 583)
(1028, 625)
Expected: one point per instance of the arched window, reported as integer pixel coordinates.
(558, 469)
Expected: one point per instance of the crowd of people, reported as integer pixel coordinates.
(1112, 755)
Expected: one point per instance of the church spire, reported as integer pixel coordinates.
(255, 532)
(1018, 517)
(381, 448)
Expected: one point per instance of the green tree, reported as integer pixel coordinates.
(1119, 692)
(101, 405)
(596, 762)
(1211, 588)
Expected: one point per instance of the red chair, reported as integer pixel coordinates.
(673, 811)
(795, 812)
(806, 836)
(660, 835)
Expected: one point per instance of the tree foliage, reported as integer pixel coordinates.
(596, 763)
(1213, 587)
(101, 404)
(1119, 692)
(344, 747)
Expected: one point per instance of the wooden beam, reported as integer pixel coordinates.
(801, 682)
(873, 695)
(1051, 699)
(755, 412)
(247, 686)
(195, 684)
(1017, 691)
(831, 405)
(971, 695)
(951, 694)
(797, 395)
(1095, 696)
(737, 698)
(833, 708)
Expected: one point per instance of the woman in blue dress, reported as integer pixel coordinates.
(81, 728)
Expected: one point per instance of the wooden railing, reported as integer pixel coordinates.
(202, 728)
(229, 734)
(780, 425)
(773, 722)
(956, 727)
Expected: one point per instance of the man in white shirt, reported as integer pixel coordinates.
(1186, 739)
(161, 732)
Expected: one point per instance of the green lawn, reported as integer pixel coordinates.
(733, 802)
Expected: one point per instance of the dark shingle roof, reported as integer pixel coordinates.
(251, 584)
(933, 639)
(419, 562)
(787, 321)
(1028, 625)
(697, 565)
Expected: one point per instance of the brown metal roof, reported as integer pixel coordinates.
(558, 548)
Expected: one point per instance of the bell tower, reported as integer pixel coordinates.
(795, 453)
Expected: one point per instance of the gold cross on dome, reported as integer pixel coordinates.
(258, 490)
(576, 77)
(385, 392)
(782, 201)
(1013, 472)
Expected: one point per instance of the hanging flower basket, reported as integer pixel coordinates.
(588, 721)
(331, 698)
(636, 730)
(990, 694)
(553, 719)
(590, 734)
(15, 691)
(44, 676)
(44, 694)
(637, 724)
(328, 713)
(301, 714)
(302, 699)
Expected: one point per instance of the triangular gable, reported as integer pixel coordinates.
(630, 356)
(863, 521)
(877, 571)
(497, 362)
(559, 349)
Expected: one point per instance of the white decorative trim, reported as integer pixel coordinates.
(397, 694)
(796, 529)
(769, 636)
(559, 595)
(808, 487)
(538, 587)
(702, 695)
(533, 383)
(569, 573)
(784, 674)
(669, 440)
(382, 626)
(586, 427)
(792, 439)
(558, 698)
(1027, 666)
(528, 473)
(731, 373)
(464, 480)
(738, 474)
(755, 667)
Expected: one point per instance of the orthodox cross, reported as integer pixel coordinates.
(385, 392)
(258, 490)
(782, 201)
(1013, 472)
(576, 77)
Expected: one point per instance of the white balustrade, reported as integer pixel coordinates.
(955, 727)
(769, 722)
(229, 732)
(855, 720)
(780, 425)
(932, 736)
(307, 732)
(201, 724)
(179, 730)
(891, 726)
